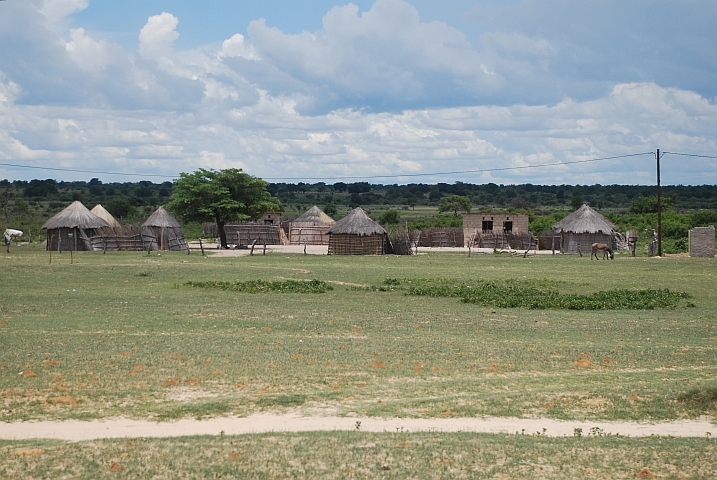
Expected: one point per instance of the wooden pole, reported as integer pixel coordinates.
(659, 208)
(201, 247)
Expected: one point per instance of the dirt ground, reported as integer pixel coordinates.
(324, 250)
(75, 430)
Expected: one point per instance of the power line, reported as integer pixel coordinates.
(687, 155)
(483, 170)
(355, 177)
(57, 169)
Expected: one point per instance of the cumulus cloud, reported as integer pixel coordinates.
(271, 139)
(384, 58)
(158, 35)
(56, 10)
(237, 47)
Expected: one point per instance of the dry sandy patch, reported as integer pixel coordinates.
(75, 430)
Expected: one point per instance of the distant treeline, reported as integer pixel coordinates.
(526, 196)
(130, 199)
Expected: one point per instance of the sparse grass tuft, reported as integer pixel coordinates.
(200, 410)
(282, 401)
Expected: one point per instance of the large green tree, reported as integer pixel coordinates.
(455, 204)
(221, 196)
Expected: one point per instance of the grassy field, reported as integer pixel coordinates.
(365, 455)
(119, 335)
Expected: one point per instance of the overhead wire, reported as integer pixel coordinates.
(352, 177)
(483, 170)
(58, 169)
(688, 155)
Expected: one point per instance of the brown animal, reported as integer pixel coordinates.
(602, 247)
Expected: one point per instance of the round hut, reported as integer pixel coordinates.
(72, 228)
(357, 234)
(166, 230)
(101, 212)
(579, 230)
(311, 228)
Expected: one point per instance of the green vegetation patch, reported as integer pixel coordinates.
(264, 286)
(533, 294)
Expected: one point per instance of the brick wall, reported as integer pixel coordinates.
(702, 242)
(474, 221)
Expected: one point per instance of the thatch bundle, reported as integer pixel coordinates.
(582, 228)
(311, 228)
(72, 228)
(357, 234)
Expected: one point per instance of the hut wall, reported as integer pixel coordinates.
(702, 242)
(549, 241)
(64, 239)
(571, 241)
(345, 244)
(310, 235)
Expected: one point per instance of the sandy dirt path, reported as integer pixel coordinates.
(75, 430)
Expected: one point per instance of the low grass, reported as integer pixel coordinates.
(364, 455)
(113, 335)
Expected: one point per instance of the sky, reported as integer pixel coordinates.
(386, 91)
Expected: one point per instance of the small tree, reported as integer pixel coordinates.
(221, 196)
(649, 204)
(330, 210)
(389, 217)
(455, 204)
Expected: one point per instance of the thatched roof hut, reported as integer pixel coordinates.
(166, 230)
(101, 212)
(72, 228)
(311, 228)
(585, 226)
(357, 234)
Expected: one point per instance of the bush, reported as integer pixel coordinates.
(389, 217)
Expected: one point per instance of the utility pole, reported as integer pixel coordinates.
(659, 208)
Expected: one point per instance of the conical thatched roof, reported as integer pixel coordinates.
(76, 215)
(161, 218)
(585, 220)
(100, 211)
(314, 217)
(357, 223)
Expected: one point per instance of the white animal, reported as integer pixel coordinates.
(10, 233)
